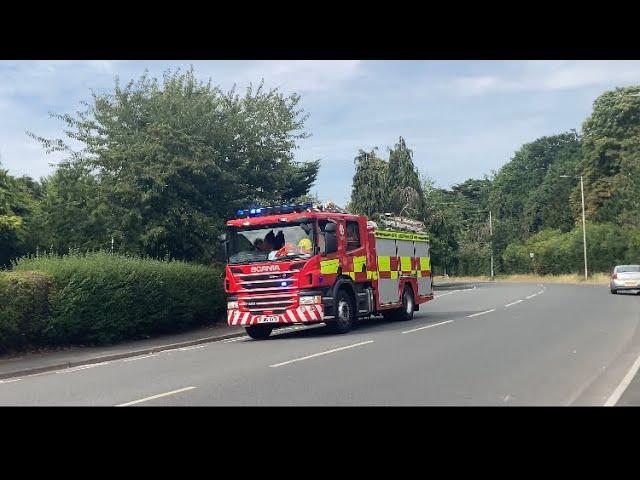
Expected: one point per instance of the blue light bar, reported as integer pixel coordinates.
(261, 211)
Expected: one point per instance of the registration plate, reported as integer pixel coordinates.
(631, 284)
(268, 319)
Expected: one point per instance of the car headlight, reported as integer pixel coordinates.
(312, 300)
(232, 305)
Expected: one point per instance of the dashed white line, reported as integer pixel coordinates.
(11, 380)
(481, 313)
(531, 296)
(160, 395)
(454, 291)
(321, 353)
(139, 357)
(513, 303)
(82, 367)
(428, 326)
(196, 347)
(617, 393)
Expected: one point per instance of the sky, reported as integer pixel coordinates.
(462, 119)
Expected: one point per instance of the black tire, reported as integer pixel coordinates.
(408, 305)
(345, 313)
(259, 332)
(614, 291)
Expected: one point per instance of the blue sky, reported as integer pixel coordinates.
(461, 118)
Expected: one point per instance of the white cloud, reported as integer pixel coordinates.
(306, 75)
(551, 76)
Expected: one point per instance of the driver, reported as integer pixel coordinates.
(304, 245)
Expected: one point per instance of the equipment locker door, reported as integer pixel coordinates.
(424, 263)
(387, 276)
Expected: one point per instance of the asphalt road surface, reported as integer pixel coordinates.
(482, 344)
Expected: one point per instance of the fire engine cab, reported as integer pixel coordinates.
(304, 264)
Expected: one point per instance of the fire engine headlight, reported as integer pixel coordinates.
(316, 299)
(232, 305)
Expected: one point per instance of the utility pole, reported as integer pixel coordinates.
(491, 233)
(584, 230)
(584, 225)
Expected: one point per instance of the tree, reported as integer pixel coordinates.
(368, 195)
(16, 207)
(404, 191)
(171, 159)
(610, 145)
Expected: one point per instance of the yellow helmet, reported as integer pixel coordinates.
(305, 244)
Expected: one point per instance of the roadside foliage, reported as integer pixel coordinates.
(100, 298)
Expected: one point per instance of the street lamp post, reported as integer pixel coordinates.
(491, 234)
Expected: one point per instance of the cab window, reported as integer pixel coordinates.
(353, 235)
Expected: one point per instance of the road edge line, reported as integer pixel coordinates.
(624, 384)
(117, 356)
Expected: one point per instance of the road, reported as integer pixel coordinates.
(482, 344)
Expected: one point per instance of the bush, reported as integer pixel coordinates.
(24, 308)
(559, 253)
(100, 298)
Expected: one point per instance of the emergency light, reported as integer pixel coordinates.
(262, 211)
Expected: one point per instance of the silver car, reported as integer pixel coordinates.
(625, 277)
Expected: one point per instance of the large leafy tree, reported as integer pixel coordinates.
(171, 158)
(404, 191)
(368, 192)
(611, 147)
(17, 203)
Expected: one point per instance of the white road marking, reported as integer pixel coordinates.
(195, 347)
(428, 326)
(82, 367)
(321, 353)
(160, 395)
(531, 296)
(617, 393)
(513, 303)
(481, 313)
(454, 291)
(139, 357)
(11, 380)
(235, 339)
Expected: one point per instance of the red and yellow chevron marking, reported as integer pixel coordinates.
(301, 314)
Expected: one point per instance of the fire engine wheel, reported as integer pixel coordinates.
(406, 312)
(259, 332)
(345, 313)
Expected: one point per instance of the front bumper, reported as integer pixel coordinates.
(302, 314)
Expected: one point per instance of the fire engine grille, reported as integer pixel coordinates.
(266, 303)
(268, 280)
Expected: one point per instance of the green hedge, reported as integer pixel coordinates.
(24, 309)
(558, 253)
(100, 298)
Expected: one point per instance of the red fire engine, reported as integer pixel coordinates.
(300, 264)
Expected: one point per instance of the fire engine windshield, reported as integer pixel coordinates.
(270, 243)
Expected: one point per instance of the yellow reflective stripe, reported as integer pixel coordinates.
(352, 275)
(416, 237)
(358, 263)
(405, 264)
(394, 274)
(384, 264)
(372, 275)
(329, 266)
(425, 263)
